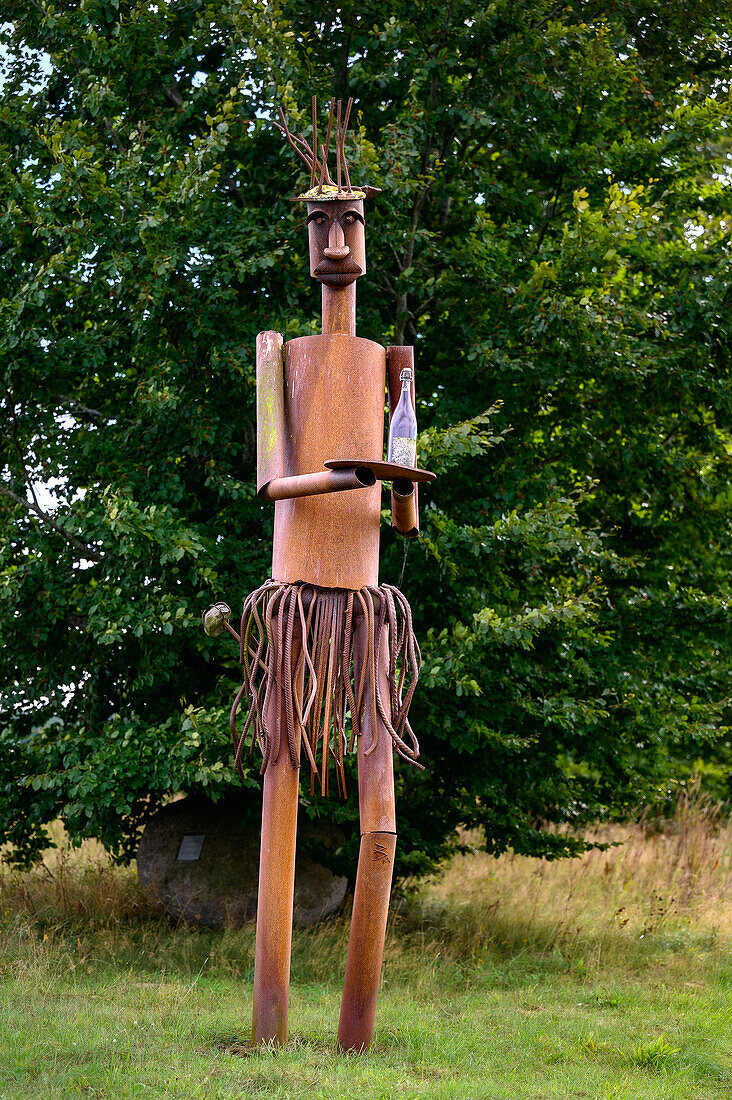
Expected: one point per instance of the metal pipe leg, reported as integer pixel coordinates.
(366, 942)
(373, 880)
(275, 901)
(276, 895)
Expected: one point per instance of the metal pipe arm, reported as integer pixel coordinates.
(324, 481)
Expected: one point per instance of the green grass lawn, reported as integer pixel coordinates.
(527, 1025)
(505, 978)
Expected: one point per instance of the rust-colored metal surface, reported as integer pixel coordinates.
(320, 642)
(375, 863)
(384, 471)
(334, 407)
(325, 481)
(377, 812)
(340, 676)
(404, 504)
(339, 310)
(366, 940)
(277, 868)
(337, 244)
(315, 155)
(404, 510)
(270, 408)
(398, 358)
(275, 902)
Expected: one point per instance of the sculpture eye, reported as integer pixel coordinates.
(349, 219)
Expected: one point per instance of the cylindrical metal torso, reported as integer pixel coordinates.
(334, 389)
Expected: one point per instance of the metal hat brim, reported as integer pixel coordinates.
(358, 194)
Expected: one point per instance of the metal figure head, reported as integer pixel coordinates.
(337, 240)
(335, 216)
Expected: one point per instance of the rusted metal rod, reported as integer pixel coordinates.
(276, 882)
(404, 512)
(375, 866)
(314, 168)
(366, 941)
(343, 144)
(313, 485)
(339, 309)
(324, 174)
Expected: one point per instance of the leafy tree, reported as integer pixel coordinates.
(553, 237)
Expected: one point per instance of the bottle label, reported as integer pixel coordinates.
(404, 451)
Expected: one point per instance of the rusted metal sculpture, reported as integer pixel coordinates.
(321, 640)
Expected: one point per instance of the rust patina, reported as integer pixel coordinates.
(330, 658)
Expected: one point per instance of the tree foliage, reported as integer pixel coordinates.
(553, 237)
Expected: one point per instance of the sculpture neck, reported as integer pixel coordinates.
(339, 309)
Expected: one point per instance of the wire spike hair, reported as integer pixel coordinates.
(315, 156)
(315, 137)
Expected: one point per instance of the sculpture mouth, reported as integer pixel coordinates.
(337, 274)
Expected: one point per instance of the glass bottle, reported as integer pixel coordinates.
(402, 445)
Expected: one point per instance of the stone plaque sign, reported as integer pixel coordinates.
(191, 847)
(215, 883)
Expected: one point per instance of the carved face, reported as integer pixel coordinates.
(337, 241)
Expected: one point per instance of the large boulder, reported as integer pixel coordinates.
(198, 862)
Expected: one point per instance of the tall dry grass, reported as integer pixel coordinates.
(75, 887)
(658, 881)
(656, 888)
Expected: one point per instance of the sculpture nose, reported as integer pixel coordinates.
(337, 248)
